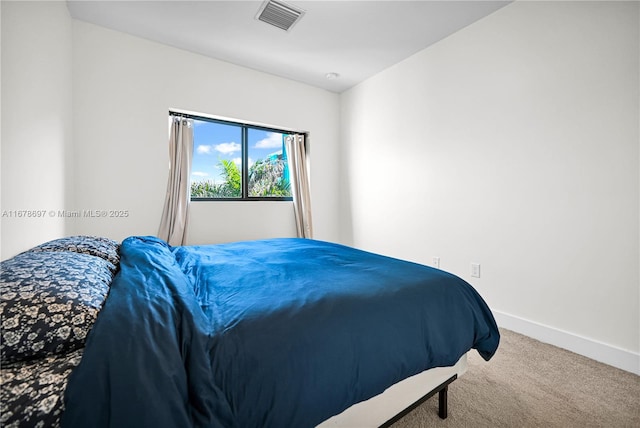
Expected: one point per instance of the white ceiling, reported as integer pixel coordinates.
(355, 39)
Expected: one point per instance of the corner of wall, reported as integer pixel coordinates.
(36, 85)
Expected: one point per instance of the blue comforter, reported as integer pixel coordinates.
(272, 333)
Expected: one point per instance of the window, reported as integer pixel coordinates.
(234, 161)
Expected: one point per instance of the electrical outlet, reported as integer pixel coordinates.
(475, 270)
(436, 262)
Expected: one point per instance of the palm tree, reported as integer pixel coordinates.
(267, 178)
(230, 188)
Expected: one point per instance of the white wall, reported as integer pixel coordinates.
(85, 128)
(36, 122)
(123, 89)
(513, 143)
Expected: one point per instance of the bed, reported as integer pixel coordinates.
(268, 333)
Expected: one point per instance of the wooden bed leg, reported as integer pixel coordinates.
(442, 402)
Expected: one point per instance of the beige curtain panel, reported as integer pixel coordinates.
(175, 215)
(299, 179)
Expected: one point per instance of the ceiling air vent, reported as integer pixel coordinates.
(279, 14)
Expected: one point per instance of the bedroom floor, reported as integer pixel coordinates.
(532, 384)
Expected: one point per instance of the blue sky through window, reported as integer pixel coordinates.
(213, 142)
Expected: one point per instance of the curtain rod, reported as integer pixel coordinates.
(230, 121)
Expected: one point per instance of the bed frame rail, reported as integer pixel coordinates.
(441, 390)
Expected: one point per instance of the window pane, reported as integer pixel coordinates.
(268, 168)
(216, 170)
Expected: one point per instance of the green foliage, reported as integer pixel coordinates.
(204, 189)
(266, 179)
(233, 182)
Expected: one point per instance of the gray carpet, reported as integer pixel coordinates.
(532, 384)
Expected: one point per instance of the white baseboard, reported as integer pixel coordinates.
(611, 355)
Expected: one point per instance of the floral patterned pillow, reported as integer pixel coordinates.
(49, 302)
(93, 245)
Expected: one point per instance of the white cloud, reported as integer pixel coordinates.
(227, 148)
(204, 149)
(273, 141)
(200, 174)
(237, 161)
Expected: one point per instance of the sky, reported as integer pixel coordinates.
(213, 142)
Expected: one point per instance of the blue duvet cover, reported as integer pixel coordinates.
(273, 333)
